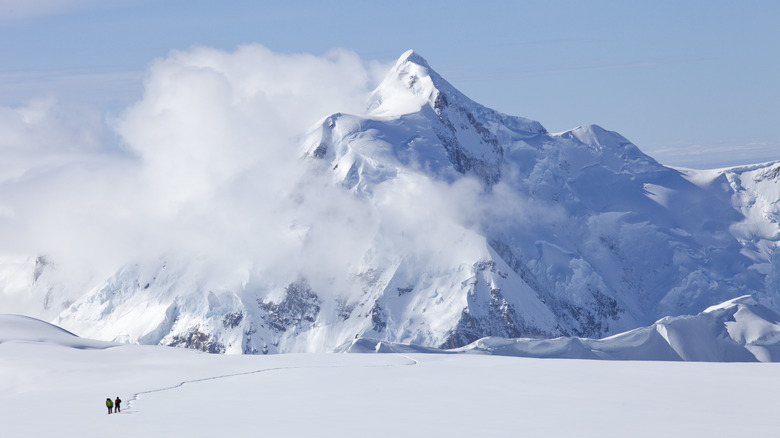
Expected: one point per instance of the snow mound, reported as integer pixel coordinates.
(18, 328)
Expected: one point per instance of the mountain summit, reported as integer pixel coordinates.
(412, 83)
(440, 123)
(446, 222)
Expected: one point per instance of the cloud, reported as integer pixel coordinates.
(205, 165)
(207, 115)
(45, 126)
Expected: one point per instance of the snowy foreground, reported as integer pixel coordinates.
(53, 384)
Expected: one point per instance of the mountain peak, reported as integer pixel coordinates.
(412, 84)
(614, 150)
(409, 85)
(413, 57)
(595, 136)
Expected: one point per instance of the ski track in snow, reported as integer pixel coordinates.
(136, 396)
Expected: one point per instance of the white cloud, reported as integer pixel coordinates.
(45, 126)
(211, 164)
(210, 168)
(208, 116)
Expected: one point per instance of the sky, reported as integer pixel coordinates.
(691, 83)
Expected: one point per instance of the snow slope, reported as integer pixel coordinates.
(176, 392)
(18, 328)
(438, 222)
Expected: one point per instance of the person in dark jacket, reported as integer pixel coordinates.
(109, 405)
(116, 404)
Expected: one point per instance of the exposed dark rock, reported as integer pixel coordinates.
(606, 306)
(404, 290)
(517, 265)
(501, 320)
(486, 135)
(590, 322)
(232, 320)
(300, 305)
(467, 331)
(378, 318)
(489, 265)
(579, 320)
(440, 103)
(772, 173)
(463, 162)
(345, 310)
(320, 151)
(197, 340)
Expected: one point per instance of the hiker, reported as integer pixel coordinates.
(116, 404)
(109, 405)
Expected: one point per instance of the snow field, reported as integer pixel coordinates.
(51, 390)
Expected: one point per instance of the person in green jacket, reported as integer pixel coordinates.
(109, 405)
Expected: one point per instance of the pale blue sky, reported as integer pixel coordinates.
(693, 83)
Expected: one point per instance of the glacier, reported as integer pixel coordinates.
(347, 395)
(463, 223)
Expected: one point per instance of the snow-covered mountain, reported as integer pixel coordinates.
(476, 224)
